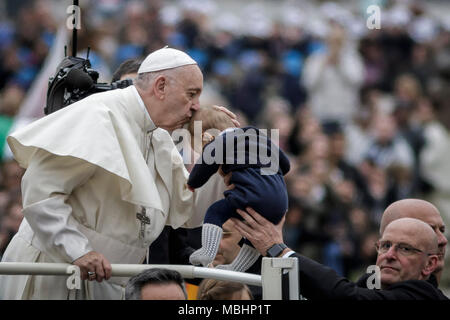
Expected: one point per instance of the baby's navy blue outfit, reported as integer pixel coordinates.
(257, 167)
(266, 194)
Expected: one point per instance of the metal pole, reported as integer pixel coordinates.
(44, 269)
(248, 278)
(74, 30)
(128, 270)
(272, 271)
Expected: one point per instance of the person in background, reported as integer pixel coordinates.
(212, 289)
(407, 255)
(156, 284)
(426, 212)
(127, 70)
(229, 248)
(332, 78)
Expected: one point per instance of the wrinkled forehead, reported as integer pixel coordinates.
(189, 74)
(429, 217)
(402, 234)
(413, 209)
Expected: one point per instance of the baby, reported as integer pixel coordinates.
(257, 182)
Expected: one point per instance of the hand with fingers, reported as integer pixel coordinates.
(229, 113)
(226, 179)
(262, 233)
(94, 266)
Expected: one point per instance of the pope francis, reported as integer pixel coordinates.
(103, 177)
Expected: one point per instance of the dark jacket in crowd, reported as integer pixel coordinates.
(362, 282)
(171, 247)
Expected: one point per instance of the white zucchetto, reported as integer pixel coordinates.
(165, 58)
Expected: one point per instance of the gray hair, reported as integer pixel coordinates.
(154, 275)
(144, 80)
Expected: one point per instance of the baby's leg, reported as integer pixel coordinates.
(216, 215)
(246, 257)
(211, 235)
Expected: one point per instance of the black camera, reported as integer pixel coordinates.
(75, 80)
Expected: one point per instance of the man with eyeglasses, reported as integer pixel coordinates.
(406, 251)
(407, 255)
(426, 212)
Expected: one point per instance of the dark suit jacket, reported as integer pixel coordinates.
(171, 247)
(362, 281)
(317, 281)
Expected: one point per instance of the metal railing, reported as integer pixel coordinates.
(270, 279)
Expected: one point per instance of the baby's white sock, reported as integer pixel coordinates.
(211, 235)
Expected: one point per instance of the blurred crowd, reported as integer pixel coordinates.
(363, 114)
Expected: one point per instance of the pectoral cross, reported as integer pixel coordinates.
(141, 216)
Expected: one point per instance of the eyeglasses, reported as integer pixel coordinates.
(383, 246)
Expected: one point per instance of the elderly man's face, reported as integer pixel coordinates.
(396, 265)
(434, 220)
(430, 216)
(182, 97)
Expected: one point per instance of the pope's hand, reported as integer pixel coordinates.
(232, 116)
(96, 265)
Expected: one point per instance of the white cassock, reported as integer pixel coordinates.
(87, 178)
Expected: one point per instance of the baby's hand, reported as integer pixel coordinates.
(207, 138)
(226, 178)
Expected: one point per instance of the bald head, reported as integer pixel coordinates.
(418, 233)
(424, 211)
(408, 208)
(416, 261)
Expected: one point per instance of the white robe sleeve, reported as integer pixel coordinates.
(46, 185)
